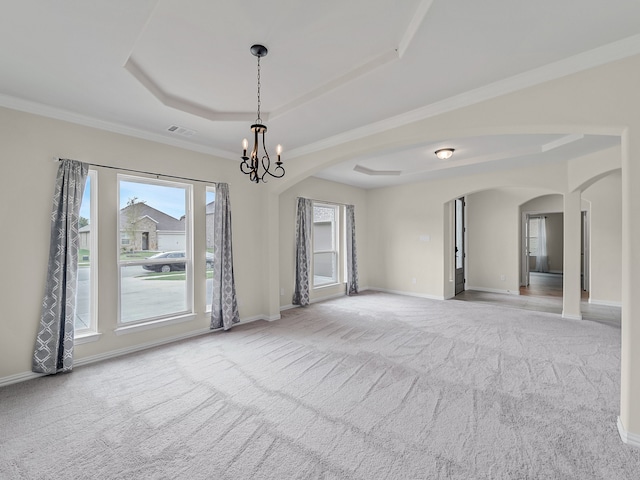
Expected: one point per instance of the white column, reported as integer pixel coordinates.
(272, 255)
(571, 265)
(629, 421)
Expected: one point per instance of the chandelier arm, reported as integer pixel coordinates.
(245, 167)
(254, 152)
(275, 173)
(266, 165)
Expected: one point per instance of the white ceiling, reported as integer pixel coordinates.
(336, 70)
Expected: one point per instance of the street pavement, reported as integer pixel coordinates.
(143, 296)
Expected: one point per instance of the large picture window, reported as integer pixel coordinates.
(211, 197)
(155, 255)
(86, 317)
(325, 244)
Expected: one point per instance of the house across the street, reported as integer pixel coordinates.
(143, 227)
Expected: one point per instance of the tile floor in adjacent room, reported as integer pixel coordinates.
(544, 294)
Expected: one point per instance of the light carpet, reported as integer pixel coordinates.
(374, 386)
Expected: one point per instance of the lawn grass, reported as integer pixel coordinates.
(169, 276)
(136, 255)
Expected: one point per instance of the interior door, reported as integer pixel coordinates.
(459, 245)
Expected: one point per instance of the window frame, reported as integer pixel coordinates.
(208, 301)
(173, 317)
(337, 241)
(90, 333)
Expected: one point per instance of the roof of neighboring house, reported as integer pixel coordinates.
(163, 221)
(210, 207)
(86, 228)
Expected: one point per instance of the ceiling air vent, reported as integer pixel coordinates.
(185, 132)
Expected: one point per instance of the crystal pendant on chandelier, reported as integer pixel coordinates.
(258, 166)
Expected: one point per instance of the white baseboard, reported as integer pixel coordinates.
(571, 317)
(328, 297)
(137, 348)
(605, 303)
(315, 300)
(24, 376)
(19, 377)
(493, 290)
(629, 438)
(408, 294)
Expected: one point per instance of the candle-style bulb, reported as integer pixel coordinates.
(279, 149)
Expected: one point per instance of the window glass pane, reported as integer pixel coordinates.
(325, 257)
(152, 217)
(534, 224)
(323, 236)
(155, 254)
(211, 196)
(146, 294)
(324, 268)
(83, 299)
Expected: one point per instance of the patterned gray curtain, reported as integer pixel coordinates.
(224, 309)
(352, 256)
(54, 342)
(304, 221)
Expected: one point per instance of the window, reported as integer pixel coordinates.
(210, 199)
(155, 259)
(325, 245)
(86, 318)
(534, 224)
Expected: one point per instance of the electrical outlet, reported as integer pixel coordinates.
(282, 292)
(414, 281)
(503, 278)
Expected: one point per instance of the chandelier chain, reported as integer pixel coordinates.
(259, 119)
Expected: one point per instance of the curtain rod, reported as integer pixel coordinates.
(327, 201)
(57, 159)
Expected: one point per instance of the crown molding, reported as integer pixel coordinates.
(353, 74)
(172, 101)
(599, 56)
(72, 117)
(414, 26)
(583, 61)
(372, 172)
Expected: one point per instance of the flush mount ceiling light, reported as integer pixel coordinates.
(257, 166)
(444, 153)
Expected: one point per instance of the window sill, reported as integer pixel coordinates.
(86, 338)
(138, 327)
(328, 285)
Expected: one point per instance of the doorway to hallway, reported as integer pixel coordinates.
(543, 285)
(459, 253)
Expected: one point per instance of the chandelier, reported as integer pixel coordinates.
(255, 165)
